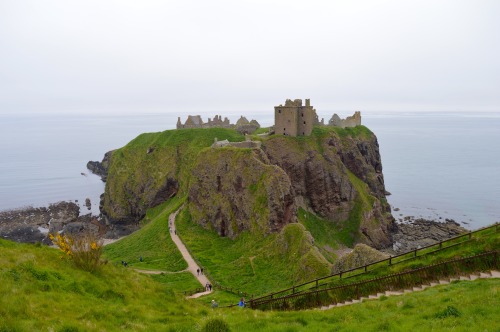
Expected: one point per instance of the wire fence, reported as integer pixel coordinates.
(392, 260)
(394, 282)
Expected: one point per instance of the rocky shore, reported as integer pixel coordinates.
(33, 224)
(417, 233)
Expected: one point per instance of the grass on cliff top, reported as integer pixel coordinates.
(196, 137)
(152, 242)
(358, 131)
(143, 165)
(41, 292)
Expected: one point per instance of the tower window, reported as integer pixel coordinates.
(304, 122)
(279, 111)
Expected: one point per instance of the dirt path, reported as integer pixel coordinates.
(192, 266)
(158, 272)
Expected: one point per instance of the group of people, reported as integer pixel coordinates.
(208, 287)
(170, 228)
(199, 270)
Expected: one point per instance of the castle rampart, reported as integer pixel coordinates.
(242, 125)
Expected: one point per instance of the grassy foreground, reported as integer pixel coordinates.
(39, 291)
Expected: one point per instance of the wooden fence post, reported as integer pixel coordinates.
(440, 244)
(316, 283)
(470, 235)
(390, 260)
(415, 253)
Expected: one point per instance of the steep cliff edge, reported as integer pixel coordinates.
(335, 173)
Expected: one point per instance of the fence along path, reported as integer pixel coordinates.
(395, 282)
(442, 245)
(471, 277)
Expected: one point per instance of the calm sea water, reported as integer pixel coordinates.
(435, 164)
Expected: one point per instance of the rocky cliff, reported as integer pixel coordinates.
(335, 173)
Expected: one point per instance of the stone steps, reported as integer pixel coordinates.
(471, 277)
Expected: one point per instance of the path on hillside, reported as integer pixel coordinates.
(192, 266)
(471, 277)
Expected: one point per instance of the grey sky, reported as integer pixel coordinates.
(248, 55)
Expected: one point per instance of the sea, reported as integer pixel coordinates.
(436, 165)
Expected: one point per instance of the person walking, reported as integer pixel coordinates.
(242, 303)
(198, 271)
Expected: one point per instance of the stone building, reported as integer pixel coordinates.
(242, 125)
(293, 119)
(351, 121)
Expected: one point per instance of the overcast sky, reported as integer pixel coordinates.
(73, 56)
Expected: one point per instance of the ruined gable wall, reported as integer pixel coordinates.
(306, 120)
(286, 120)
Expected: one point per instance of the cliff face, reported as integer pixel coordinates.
(233, 190)
(321, 172)
(335, 173)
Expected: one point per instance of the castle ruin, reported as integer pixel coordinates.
(293, 119)
(242, 125)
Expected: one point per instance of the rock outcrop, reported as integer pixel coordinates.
(319, 172)
(359, 256)
(34, 224)
(234, 191)
(420, 233)
(100, 168)
(335, 173)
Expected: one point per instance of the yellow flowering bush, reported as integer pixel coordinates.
(84, 250)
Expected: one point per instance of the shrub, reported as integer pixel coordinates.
(216, 325)
(450, 311)
(84, 250)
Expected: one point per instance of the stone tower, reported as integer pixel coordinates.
(293, 119)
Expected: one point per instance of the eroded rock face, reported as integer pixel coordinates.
(318, 171)
(319, 179)
(101, 168)
(336, 176)
(233, 191)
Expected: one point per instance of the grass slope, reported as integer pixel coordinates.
(41, 292)
(152, 242)
(254, 264)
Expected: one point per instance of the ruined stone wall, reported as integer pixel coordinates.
(351, 121)
(242, 145)
(285, 120)
(195, 121)
(306, 119)
(293, 119)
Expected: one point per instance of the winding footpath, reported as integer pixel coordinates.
(192, 266)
